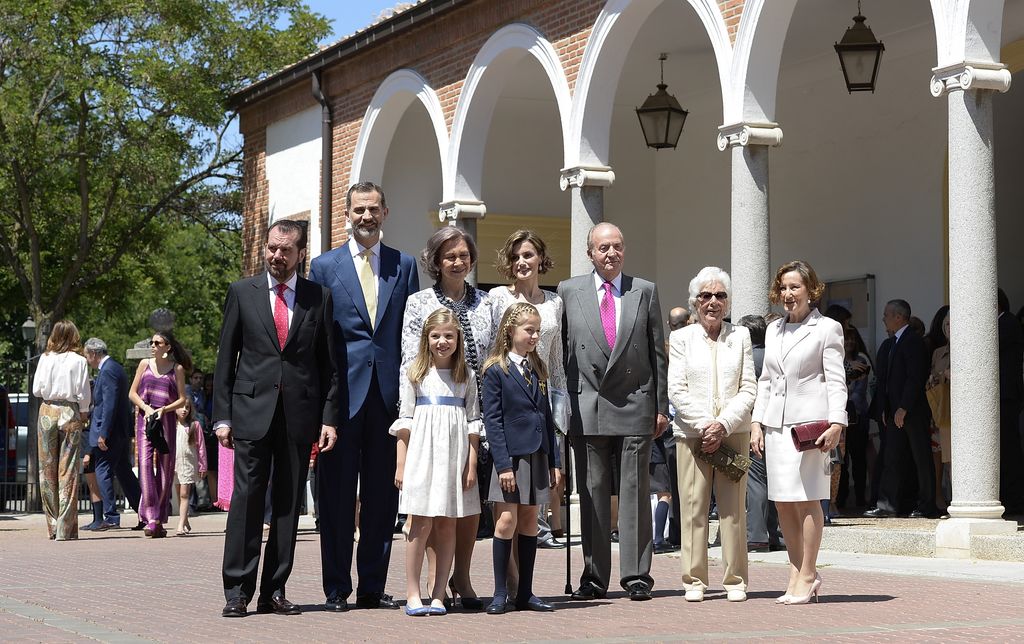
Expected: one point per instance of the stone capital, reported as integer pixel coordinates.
(969, 75)
(586, 175)
(744, 134)
(452, 211)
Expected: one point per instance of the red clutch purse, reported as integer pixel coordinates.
(804, 436)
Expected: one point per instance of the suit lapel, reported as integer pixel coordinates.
(350, 280)
(586, 297)
(303, 302)
(629, 308)
(802, 332)
(261, 302)
(386, 281)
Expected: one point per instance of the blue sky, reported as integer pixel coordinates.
(349, 15)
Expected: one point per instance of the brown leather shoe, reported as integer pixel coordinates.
(277, 605)
(234, 608)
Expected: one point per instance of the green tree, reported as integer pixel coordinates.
(113, 121)
(113, 116)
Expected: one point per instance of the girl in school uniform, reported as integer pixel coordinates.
(189, 460)
(438, 432)
(520, 430)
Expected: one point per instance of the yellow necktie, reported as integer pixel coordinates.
(367, 282)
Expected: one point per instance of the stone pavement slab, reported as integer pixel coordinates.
(118, 586)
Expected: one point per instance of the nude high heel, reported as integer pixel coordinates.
(815, 587)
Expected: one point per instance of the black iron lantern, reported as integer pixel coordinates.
(661, 117)
(860, 55)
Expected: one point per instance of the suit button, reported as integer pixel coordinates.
(629, 371)
(369, 363)
(276, 386)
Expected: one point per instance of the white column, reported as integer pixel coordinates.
(588, 184)
(974, 337)
(464, 213)
(750, 247)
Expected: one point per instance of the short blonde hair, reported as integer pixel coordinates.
(815, 287)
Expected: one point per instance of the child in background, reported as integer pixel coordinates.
(521, 433)
(189, 461)
(438, 432)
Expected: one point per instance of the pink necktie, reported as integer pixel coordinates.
(281, 315)
(608, 314)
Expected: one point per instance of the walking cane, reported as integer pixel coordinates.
(568, 517)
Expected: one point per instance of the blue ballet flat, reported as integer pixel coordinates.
(422, 611)
(437, 610)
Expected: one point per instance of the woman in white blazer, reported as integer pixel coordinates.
(711, 384)
(803, 380)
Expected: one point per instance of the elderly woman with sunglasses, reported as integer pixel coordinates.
(712, 386)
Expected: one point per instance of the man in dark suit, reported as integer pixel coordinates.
(110, 432)
(615, 369)
(901, 407)
(276, 391)
(1011, 395)
(370, 283)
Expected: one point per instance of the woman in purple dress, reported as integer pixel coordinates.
(158, 388)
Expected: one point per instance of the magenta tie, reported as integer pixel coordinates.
(608, 314)
(281, 315)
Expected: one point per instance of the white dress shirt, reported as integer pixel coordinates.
(289, 294)
(616, 294)
(354, 248)
(63, 376)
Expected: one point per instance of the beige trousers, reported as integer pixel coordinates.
(696, 479)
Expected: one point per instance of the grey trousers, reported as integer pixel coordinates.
(762, 517)
(594, 463)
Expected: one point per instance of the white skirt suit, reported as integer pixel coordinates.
(802, 380)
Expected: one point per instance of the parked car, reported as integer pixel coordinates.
(14, 465)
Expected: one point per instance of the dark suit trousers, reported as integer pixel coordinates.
(596, 457)
(115, 462)
(762, 517)
(366, 455)
(908, 453)
(254, 461)
(1011, 461)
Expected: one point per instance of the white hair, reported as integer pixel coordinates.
(707, 275)
(97, 346)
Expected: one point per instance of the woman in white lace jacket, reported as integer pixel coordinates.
(711, 384)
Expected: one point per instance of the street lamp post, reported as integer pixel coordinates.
(32, 499)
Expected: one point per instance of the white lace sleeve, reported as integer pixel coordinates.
(556, 366)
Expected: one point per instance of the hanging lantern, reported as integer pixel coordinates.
(860, 55)
(661, 117)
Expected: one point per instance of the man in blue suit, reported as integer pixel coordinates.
(110, 430)
(370, 283)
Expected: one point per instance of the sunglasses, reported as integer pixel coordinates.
(705, 296)
(156, 343)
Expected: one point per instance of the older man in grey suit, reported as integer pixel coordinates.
(615, 369)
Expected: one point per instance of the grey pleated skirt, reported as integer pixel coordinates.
(533, 481)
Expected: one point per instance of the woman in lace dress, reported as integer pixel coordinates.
(448, 258)
(522, 260)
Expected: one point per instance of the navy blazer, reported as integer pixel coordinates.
(517, 418)
(361, 348)
(111, 415)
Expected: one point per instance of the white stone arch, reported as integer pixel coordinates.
(757, 56)
(389, 103)
(967, 30)
(598, 78)
(479, 96)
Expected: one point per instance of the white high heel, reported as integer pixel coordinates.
(815, 587)
(782, 599)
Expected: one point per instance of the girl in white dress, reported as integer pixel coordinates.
(438, 432)
(189, 460)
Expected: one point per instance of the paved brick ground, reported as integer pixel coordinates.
(119, 587)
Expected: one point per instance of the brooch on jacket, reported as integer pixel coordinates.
(544, 387)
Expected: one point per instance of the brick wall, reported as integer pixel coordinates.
(731, 12)
(441, 50)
